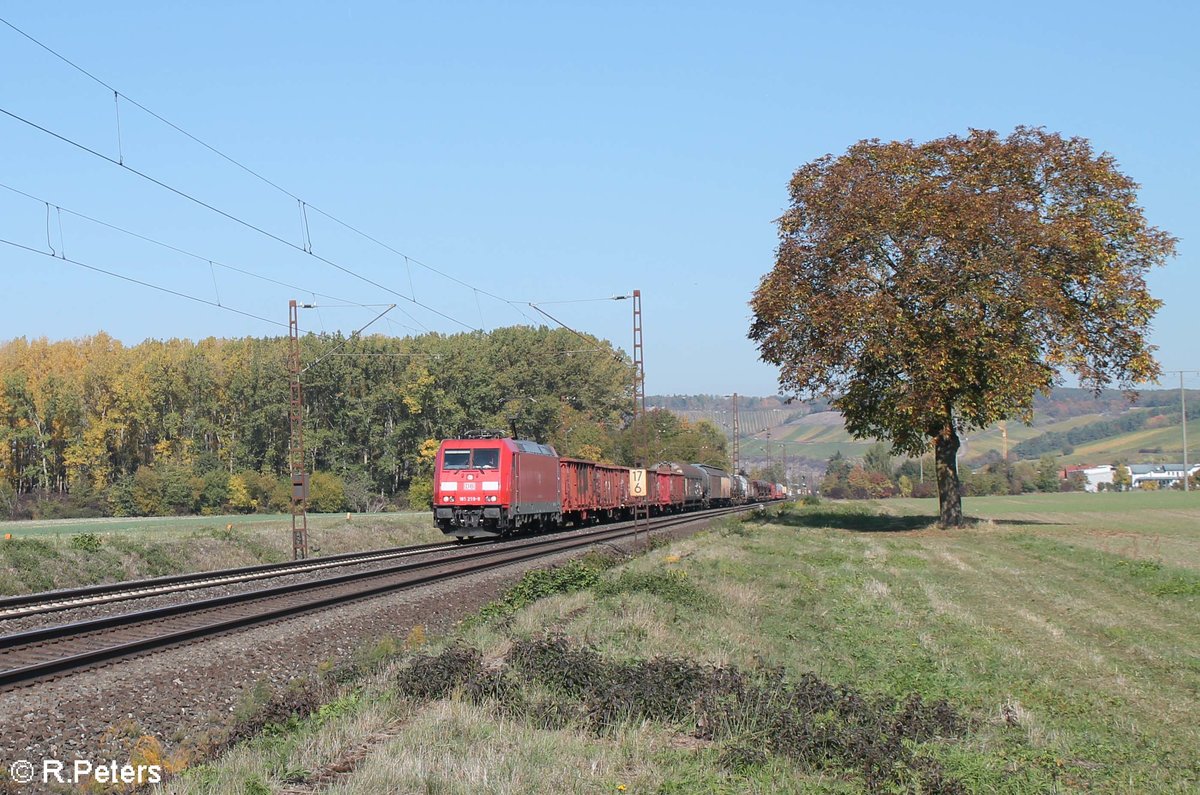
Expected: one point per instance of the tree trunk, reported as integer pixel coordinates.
(946, 461)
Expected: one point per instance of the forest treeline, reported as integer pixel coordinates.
(95, 427)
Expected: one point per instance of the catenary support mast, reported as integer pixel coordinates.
(737, 443)
(641, 508)
(296, 440)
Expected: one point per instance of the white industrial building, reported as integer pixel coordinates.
(1097, 475)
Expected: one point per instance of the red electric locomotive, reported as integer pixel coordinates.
(487, 485)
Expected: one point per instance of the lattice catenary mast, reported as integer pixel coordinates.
(737, 444)
(641, 509)
(296, 440)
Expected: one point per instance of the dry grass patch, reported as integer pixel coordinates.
(743, 596)
(955, 560)
(452, 746)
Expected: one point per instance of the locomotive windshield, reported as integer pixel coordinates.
(480, 458)
(456, 459)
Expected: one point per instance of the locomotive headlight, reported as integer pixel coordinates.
(491, 498)
(447, 498)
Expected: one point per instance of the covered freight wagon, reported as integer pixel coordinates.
(718, 485)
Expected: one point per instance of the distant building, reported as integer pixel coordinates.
(1165, 475)
(1092, 476)
(1098, 475)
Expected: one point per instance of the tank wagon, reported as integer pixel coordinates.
(741, 489)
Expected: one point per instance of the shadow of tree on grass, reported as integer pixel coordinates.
(863, 522)
(855, 520)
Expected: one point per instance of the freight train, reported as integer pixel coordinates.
(489, 484)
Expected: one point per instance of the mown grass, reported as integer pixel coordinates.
(68, 553)
(1074, 668)
(1157, 525)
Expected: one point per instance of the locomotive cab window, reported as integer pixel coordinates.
(456, 459)
(479, 458)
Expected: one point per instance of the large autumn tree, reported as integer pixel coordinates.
(936, 288)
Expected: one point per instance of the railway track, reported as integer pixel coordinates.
(38, 654)
(66, 599)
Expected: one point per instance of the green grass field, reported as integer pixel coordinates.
(1062, 627)
(1161, 526)
(157, 526)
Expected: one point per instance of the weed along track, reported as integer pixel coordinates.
(38, 654)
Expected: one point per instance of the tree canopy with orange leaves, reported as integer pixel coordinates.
(935, 288)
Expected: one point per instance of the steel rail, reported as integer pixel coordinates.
(68, 598)
(399, 577)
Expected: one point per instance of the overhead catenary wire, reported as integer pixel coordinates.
(190, 297)
(332, 352)
(142, 107)
(199, 257)
(573, 331)
(185, 195)
(304, 205)
(151, 285)
(59, 255)
(352, 336)
(582, 300)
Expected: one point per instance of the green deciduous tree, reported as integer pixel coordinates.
(326, 493)
(836, 483)
(937, 288)
(878, 458)
(659, 435)
(172, 426)
(1047, 474)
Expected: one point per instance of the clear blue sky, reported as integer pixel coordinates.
(538, 151)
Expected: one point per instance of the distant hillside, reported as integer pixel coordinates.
(1072, 424)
